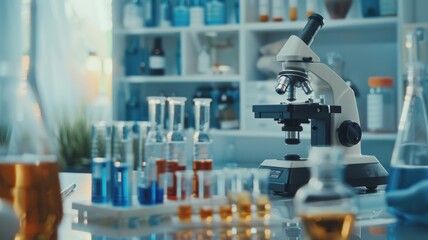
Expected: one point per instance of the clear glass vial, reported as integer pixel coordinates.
(155, 149)
(326, 205)
(176, 143)
(202, 143)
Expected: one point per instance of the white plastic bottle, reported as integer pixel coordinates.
(132, 15)
(204, 64)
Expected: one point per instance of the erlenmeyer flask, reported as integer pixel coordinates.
(409, 163)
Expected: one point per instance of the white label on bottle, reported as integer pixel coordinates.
(157, 62)
(278, 9)
(232, 124)
(375, 112)
(264, 7)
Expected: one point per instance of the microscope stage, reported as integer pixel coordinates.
(288, 176)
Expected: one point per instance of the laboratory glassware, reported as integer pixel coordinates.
(261, 192)
(123, 164)
(380, 105)
(176, 143)
(101, 163)
(409, 163)
(185, 194)
(326, 205)
(155, 153)
(243, 198)
(202, 143)
(205, 191)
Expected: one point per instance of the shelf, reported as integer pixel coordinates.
(178, 79)
(176, 30)
(360, 23)
(279, 134)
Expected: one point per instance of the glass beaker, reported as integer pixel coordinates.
(326, 205)
(409, 163)
(155, 147)
(202, 143)
(123, 161)
(176, 143)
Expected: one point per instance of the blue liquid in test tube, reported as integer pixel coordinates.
(100, 180)
(121, 195)
(147, 194)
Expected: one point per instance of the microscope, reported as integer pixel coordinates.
(332, 114)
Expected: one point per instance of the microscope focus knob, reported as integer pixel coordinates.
(349, 133)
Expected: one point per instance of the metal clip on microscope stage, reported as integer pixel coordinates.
(334, 117)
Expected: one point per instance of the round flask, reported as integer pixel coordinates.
(326, 205)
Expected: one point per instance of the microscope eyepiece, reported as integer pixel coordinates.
(315, 22)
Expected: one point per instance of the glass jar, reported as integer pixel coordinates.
(380, 105)
(326, 205)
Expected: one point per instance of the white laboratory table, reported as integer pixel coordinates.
(374, 223)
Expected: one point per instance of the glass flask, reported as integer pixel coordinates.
(176, 143)
(100, 163)
(326, 205)
(409, 163)
(151, 184)
(202, 143)
(122, 165)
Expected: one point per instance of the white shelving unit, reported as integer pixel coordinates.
(370, 46)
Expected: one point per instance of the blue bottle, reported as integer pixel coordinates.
(133, 107)
(181, 15)
(215, 13)
(178, 57)
(165, 14)
(150, 8)
(370, 8)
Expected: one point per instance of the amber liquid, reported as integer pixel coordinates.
(263, 206)
(206, 214)
(172, 167)
(160, 168)
(225, 213)
(243, 206)
(34, 191)
(328, 226)
(200, 165)
(292, 13)
(184, 213)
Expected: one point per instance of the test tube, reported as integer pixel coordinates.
(141, 130)
(184, 194)
(205, 185)
(261, 192)
(176, 143)
(100, 164)
(243, 194)
(123, 160)
(147, 185)
(221, 181)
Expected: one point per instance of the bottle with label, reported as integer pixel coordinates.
(181, 15)
(326, 205)
(150, 13)
(278, 10)
(133, 15)
(380, 105)
(311, 7)
(264, 6)
(292, 10)
(165, 13)
(157, 58)
(216, 12)
(197, 14)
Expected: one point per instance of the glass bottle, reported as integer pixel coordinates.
(133, 14)
(409, 163)
(197, 14)
(157, 58)
(123, 165)
(176, 143)
(202, 143)
(151, 187)
(181, 15)
(165, 13)
(264, 6)
(215, 12)
(292, 10)
(133, 107)
(311, 7)
(101, 163)
(326, 205)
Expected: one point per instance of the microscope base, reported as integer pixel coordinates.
(289, 176)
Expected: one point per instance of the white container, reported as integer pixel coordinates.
(380, 105)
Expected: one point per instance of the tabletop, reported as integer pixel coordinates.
(373, 221)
